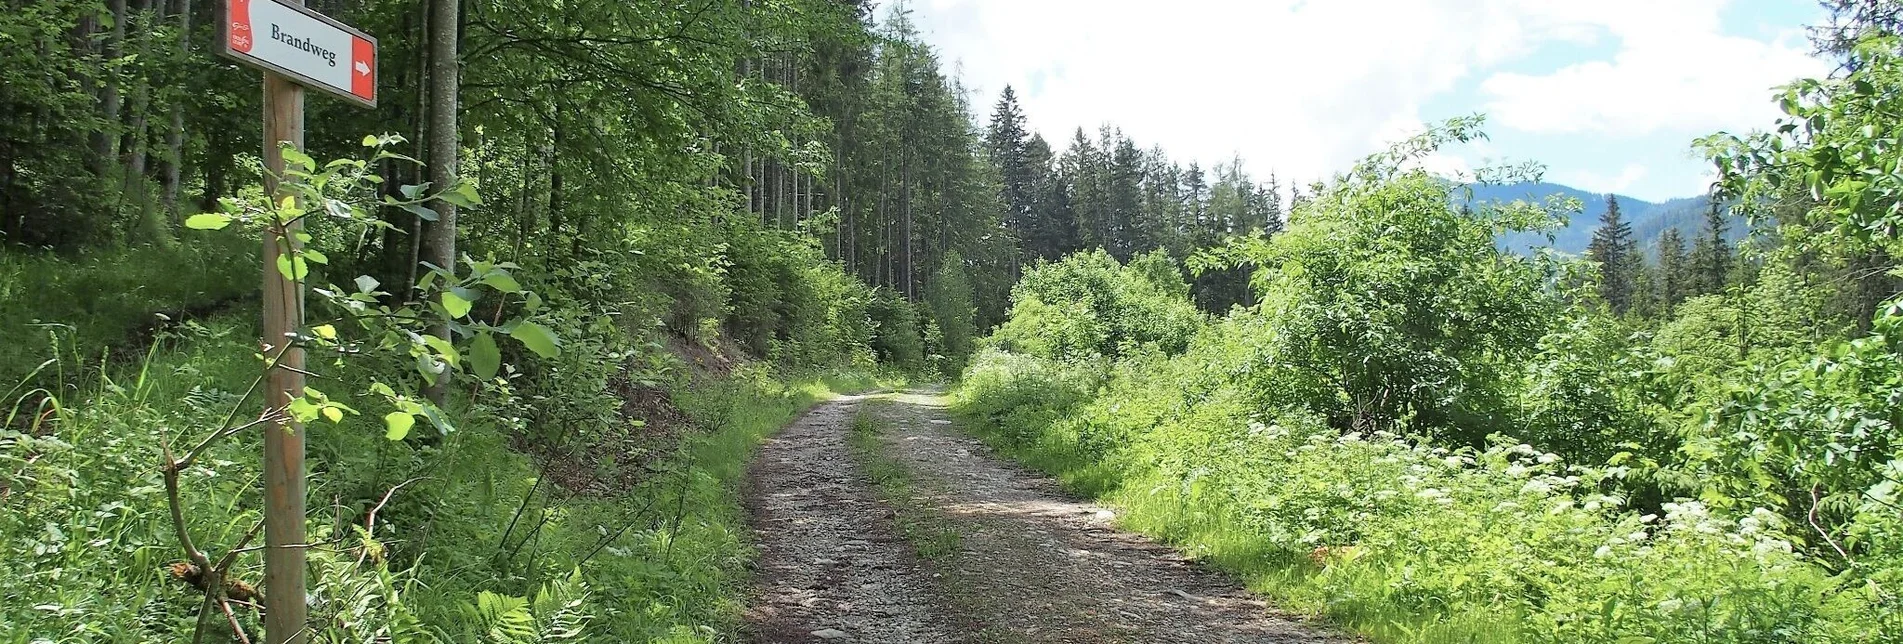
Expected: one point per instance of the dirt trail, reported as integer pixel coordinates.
(1030, 564)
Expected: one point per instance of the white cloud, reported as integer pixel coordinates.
(1689, 78)
(1592, 181)
(1305, 87)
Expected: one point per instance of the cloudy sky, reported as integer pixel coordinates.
(1608, 94)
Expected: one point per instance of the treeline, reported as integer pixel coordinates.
(1108, 193)
(665, 216)
(1430, 439)
(1648, 284)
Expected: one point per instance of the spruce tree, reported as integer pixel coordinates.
(1006, 140)
(1674, 269)
(1616, 252)
(1711, 255)
(1050, 229)
(1271, 194)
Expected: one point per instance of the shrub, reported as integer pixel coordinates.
(1089, 305)
(1401, 539)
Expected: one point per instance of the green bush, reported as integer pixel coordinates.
(1089, 305)
(897, 339)
(1352, 445)
(1402, 540)
(1396, 311)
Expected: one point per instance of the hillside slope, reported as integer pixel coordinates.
(1649, 219)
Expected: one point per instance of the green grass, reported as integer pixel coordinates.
(1400, 541)
(933, 536)
(102, 299)
(87, 524)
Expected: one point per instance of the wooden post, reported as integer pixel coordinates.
(285, 612)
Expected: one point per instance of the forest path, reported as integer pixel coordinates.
(897, 528)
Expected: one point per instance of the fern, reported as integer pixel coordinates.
(557, 614)
(561, 609)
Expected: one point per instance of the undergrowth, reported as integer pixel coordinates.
(468, 539)
(107, 299)
(1401, 541)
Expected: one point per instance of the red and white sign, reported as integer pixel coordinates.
(306, 46)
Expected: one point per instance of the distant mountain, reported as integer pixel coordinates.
(1649, 220)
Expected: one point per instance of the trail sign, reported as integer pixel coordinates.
(303, 45)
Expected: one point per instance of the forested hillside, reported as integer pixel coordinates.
(544, 327)
(529, 319)
(1649, 220)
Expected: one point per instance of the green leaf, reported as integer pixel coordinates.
(537, 338)
(367, 284)
(316, 257)
(421, 212)
(296, 159)
(484, 357)
(457, 305)
(370, 141)
(501, 280)
(398, 425)
(463, 195)
(292, 268)
(334, 414)
(324, 331)
(443, 348)
(208, 221)
(287, 209)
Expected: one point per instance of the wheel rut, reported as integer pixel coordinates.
(1029, 564)
(830, 567)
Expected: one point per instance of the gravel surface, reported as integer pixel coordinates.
(831, 569)
(1032, 565)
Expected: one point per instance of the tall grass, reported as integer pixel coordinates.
(100, 300)
(1401, 541)
(469, 522)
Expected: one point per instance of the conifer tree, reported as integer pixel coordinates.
(1054, 224)
(1006, 140)
(1674, 269)
(1616, 252)
(1711, 255)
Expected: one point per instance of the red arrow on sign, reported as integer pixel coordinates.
(286, 38)
(363, 77)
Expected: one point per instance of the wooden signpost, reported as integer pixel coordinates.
(296, 48)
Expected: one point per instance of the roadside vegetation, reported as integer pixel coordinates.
(1430, 440)
(632, 239)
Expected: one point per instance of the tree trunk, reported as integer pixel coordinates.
(175, 137)
(106, 142)
(555, 206)
(444, 146)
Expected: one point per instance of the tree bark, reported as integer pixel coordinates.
(106, 142)
(439, 246)
(175, 137)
